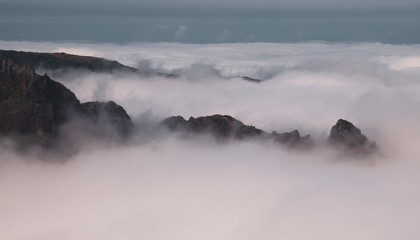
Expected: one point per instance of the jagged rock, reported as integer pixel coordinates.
(109, 113)
(33, 106)
(293, 139)
(225, 127)
(221, 126)
(175, 123)
(346, 136)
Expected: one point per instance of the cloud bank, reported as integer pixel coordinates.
(180, 189)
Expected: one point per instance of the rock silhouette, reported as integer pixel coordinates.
(108, 113)
(34, 106)
(221, 126)
(293, 139)
(63, 61)
(346, 136)
(225, 127)
(30, 103)
(55, 61)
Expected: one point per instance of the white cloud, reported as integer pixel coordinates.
(407, 63)
(177, 189)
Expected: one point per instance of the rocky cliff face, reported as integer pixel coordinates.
(108, 113)
(35, 106)
(32, 104)
(346, 136)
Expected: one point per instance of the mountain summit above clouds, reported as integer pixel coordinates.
(61, 62)
(346, 136)
(54, 61)
(225, 127)
(34, 108)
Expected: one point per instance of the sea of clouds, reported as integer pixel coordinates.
(172, 188)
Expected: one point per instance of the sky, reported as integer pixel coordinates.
(218, 21)
(170, 5)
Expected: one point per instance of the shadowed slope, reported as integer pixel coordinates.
(34, 106)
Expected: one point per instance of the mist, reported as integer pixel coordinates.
(168, 187)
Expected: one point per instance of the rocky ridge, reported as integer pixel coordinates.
(108, 114)
(63, 61)
(54, 61)
(225, 127)
(33, 107)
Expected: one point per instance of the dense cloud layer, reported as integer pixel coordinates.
(178, 189)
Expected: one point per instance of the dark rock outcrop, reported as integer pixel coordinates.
(60, 62)
(63, 61)
(292, 138)
(221, 126)
(55, 61)
(31, 104)
(225, 127)
(345, 136)
(32, 107)
(104, 113)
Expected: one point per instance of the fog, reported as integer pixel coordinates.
(167, 187)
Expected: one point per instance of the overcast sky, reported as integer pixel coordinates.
(113, 5)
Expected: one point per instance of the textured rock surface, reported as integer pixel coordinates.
(226, 127)
(346, 136)
(221, 126)
(108, 113)
(34, 106)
